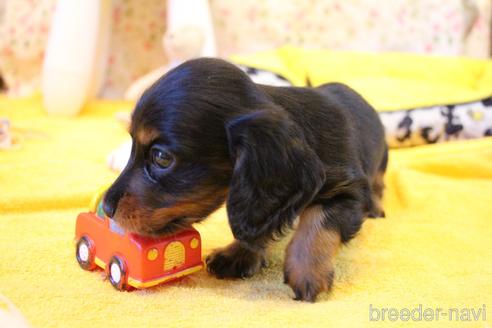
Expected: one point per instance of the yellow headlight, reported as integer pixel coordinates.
(194, 243)
(152, 254)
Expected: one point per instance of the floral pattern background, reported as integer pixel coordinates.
(136, 43)
(451, 27)
(24, 28)
(135, 46)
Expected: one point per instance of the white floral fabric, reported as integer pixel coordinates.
(451, 27)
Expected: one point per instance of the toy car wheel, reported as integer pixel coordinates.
(84, 252)
(117, 273)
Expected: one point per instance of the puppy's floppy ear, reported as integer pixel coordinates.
(276, 174)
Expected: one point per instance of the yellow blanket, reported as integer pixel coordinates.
(389, 81)
(432, 251)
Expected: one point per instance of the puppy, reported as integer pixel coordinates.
(205, 134)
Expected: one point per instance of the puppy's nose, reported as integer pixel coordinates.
(108, 208)
(113, 195)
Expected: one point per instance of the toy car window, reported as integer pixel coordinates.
(99, 210)
(115, 227)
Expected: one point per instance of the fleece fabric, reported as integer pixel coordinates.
(433, 249)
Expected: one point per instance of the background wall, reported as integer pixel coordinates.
(451, 27)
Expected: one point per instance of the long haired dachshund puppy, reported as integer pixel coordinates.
(205, 134)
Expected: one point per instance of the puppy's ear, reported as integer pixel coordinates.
(276, 174)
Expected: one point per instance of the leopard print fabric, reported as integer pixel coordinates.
(428, 125)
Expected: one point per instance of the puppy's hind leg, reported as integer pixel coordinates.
(378, 188)
(308, 266)
(376, 210)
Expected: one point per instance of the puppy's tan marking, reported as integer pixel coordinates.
(196, 207)
(146, 135)
(377, 195)
(135, 217)
(378, 184)
(129, 214)
(308, 266)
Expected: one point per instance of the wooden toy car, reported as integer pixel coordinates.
(131, 260)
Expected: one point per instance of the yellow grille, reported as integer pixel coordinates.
(174, 255)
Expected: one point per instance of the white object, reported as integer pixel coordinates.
(83, 252)
(189, 35)
(193, 13)
(118, 158)
(10, 316)
(137, 88)
(115, 272)
(75, 54)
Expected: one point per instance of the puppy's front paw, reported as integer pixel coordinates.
(307, 284)
(234, 261)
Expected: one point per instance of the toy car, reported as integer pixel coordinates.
(130, 260)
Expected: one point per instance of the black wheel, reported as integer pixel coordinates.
(85, 253)
(117, 273)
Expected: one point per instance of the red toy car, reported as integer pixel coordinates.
(131, 260)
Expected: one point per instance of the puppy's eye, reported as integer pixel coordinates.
(161, 158)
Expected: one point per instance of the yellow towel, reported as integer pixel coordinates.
(432, 251)
(388, 81)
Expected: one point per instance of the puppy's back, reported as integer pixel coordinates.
(338, 123)
(364, 121)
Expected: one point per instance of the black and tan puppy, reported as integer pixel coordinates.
(205, 134)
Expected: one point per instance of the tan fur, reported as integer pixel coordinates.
(309, 259)
(135, 217)
(145, 136)
(378, 184)
(377, 194)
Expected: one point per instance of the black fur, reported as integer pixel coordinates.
(275, 151)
